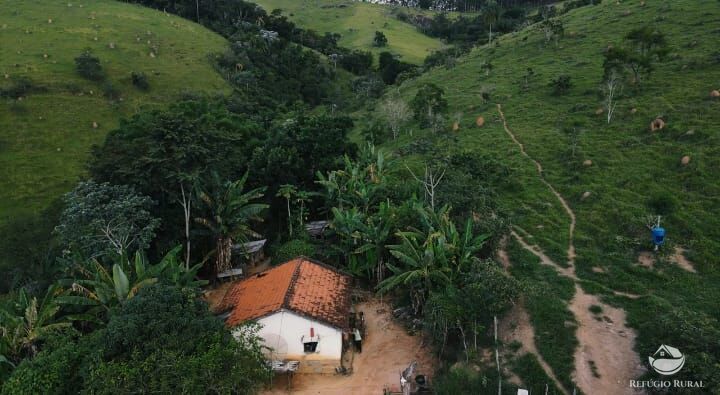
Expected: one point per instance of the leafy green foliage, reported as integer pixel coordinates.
(162, 340)
(100, 218)
(561, 84)
(89, 66)
(293, 249)
(643, 48)
(156, 152)
(428, 102)
(25, 321)
(229, 209)
(300, 147)
(140, 80)
(99, 290)
(380, 40)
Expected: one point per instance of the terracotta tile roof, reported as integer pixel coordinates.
(303, 286)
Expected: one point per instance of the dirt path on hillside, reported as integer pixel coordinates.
(387, 350)
(516, 326)
(538, 166)
(605, 359)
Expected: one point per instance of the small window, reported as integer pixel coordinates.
(310, 346)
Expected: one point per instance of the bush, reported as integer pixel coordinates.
(561, 85)
(139, 79)
(293, 249)
(89, 66)
(662, 203)
(380, 40)
(110, 91)
(18, 88)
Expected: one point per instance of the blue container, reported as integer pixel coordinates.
(658, 235)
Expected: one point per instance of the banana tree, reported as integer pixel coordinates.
(102, 289)
(423, 266)
(229, 209)
(27, 321)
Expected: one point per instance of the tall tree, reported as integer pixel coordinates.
(229, 211)
(100, 218)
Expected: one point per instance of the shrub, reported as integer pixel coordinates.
(662, 203)
(292, 249)
(561, 85)
(110, 91)
(139, 79)
(19, 87)
(380, 40)
(89, 66)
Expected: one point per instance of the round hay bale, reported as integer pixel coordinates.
(690, 132)
(714, 93)
(480, 121)
(7, 76)
(45, 56)
(585, 195)
(456, 126)
(50, 20)
(599, 111)
(111, 45)
(95, 125)
(633, 110)
(657, 124)
(685, 160)
(587, 162)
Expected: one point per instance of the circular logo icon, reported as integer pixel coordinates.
(667, 360)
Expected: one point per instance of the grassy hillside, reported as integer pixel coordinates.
(46, 135)
(357, 22)
(634, 172)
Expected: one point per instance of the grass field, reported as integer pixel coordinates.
(634, 172)
(45, 137)
(357, 22)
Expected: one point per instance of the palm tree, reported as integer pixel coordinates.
(29, 321)
(491, 14)
(287, 191)
(229, 212)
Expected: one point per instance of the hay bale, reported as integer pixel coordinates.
(657, 124)
(587, 162)
(49, 20)
(111, 45)
(456, 126)
(585, 195)
(95, 125)
(714, 93)
(7, 76)
(633, 110)
(45, 56)
(599, 111)
(480, 121)
(152, 54)
(685, 160)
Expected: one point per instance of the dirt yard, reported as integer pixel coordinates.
(387, 350)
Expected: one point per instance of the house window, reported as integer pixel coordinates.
(310, 346)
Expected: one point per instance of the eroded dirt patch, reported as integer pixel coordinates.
(679, 259)
(605, 361)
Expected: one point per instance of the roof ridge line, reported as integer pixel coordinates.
(291, 287)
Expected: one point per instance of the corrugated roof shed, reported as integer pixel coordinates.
(305, 287)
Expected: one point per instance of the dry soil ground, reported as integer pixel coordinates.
(387, 350)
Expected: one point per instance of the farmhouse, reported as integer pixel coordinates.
(304, 309)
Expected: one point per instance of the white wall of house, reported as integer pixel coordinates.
(284, 332)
